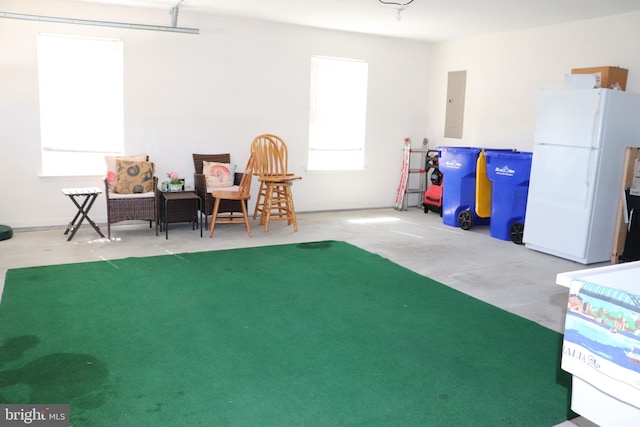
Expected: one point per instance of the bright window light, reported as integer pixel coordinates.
(81, 103)
(338, 114)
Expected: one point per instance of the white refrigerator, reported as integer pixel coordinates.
(576, 171)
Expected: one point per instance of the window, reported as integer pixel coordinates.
(338, 114)
(81, 103)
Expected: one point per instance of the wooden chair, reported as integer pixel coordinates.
(240, 193)
(204, 193)
(275, 200)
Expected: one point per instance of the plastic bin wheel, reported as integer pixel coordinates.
(465, 220)
(515, 232)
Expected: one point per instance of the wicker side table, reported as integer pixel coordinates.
(181, 206)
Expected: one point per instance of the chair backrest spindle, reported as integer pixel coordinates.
(271, 155)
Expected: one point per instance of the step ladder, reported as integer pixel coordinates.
(408, 159)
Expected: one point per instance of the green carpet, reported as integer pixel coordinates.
(315, 334)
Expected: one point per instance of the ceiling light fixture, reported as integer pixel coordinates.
(398, 5)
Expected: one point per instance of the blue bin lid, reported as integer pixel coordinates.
(459, 149)
(524, 155)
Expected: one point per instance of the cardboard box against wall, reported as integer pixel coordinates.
(606, 77)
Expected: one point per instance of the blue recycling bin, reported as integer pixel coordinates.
(509, 173)
(459, 168)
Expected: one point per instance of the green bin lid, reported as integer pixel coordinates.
(5, 232)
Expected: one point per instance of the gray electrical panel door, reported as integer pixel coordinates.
(454, 119)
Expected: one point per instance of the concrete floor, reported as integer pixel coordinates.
(501, 273)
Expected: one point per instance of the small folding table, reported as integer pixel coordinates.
(84, 206)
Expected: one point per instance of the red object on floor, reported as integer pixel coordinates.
(433, 196)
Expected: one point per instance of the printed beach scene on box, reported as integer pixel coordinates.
(602, 339)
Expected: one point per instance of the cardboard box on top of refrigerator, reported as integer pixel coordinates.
(606, 77)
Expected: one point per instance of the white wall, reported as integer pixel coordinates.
(215, 91)
(208, 93)
(506, 71)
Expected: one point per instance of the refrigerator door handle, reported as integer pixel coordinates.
(596, 135)
(587, 178)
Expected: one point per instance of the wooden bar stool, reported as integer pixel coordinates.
(278, 203)
(275, 199)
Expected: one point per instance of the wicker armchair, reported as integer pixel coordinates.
(200, 184)
(125, 207)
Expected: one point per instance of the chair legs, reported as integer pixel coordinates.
(262, 193)
(278, 205)
(291, 210)
(214, 216)
(230, 219)
(246, 218)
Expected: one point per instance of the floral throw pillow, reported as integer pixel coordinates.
(134, 177)
(218, 174)
(112, 171)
